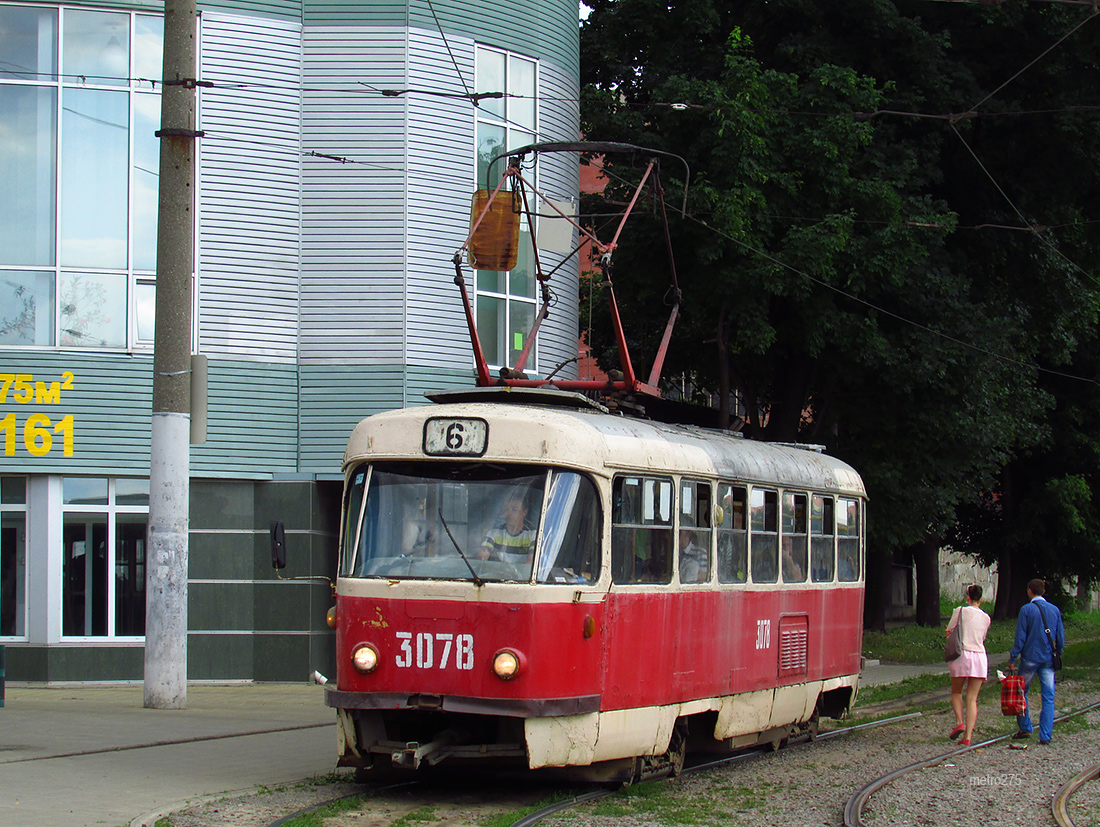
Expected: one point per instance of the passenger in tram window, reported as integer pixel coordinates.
(847, 567)
(732, 563)
(822, 568)
(694, 565)
(764, 560)
(513, 539)
(417, 535)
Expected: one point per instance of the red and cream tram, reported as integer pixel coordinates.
(543, 583)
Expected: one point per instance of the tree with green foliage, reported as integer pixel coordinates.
(838, 267)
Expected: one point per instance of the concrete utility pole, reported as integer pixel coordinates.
(169, 471)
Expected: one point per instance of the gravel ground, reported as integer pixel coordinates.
(800, 786)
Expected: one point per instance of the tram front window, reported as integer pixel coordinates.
(465, 522)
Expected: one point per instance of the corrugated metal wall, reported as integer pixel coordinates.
(333, 400)
(285, 9)
(249, 184)
(353, 206)
(441, 182)
(339, 265)
(252, 430)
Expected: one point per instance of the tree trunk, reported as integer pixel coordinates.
(1006, 573)
(791, 384)
(1023, 569)
(926, 559)
(724, 416)
(1005, 585)
(1081, 602)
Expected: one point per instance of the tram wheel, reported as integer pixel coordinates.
(813, 726)
(677, 748)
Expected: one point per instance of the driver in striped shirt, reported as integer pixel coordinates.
(513, 539)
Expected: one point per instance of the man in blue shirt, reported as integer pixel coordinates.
(1033, 646)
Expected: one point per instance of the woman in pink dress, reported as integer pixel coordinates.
(970, 669)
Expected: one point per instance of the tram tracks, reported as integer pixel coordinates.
(853, 810)
(1060, 805)
(593, 795)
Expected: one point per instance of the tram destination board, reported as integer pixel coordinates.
(455, 437)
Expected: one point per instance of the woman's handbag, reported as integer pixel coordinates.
(954, 646)
(1012, 693)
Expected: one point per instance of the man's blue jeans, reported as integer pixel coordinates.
(1046, 681)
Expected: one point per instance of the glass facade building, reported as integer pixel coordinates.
(326, 216)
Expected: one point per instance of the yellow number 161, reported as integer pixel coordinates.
(38, 433)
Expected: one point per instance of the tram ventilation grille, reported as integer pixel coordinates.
(794, 635)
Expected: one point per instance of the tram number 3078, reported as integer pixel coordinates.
(763, 634)
(426, 644)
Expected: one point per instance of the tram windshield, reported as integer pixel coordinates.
(461, 521)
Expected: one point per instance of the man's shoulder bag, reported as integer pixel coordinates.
(1055, 655)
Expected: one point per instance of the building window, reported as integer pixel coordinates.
(103, 532)
(79, 170)
(13, 556)
(506, 300)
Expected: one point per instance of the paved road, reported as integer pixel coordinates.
(92, 755)
(77, 756)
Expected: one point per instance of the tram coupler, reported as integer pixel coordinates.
(414, 752)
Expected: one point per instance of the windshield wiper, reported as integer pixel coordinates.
(477, 580)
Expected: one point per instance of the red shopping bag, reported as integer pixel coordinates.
(1012, 694)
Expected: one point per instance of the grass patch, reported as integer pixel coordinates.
(418, 816)
(316, 818)
(924, 644)
(512, 816)
(902, 689)
(742, 798)
(1078, 723)
(668, 804)
(1082, 626)
(1080, 661)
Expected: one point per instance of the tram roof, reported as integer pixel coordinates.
(585, 436)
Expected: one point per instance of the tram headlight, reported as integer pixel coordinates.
(364, 658)
(508, 663)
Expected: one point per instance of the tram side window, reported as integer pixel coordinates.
(695, 531)
(571, 533)
(794, 537)
(847, 540)
(733, 534)
(765, 535)
(763, 514)
(822, 539)
(641, 530)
